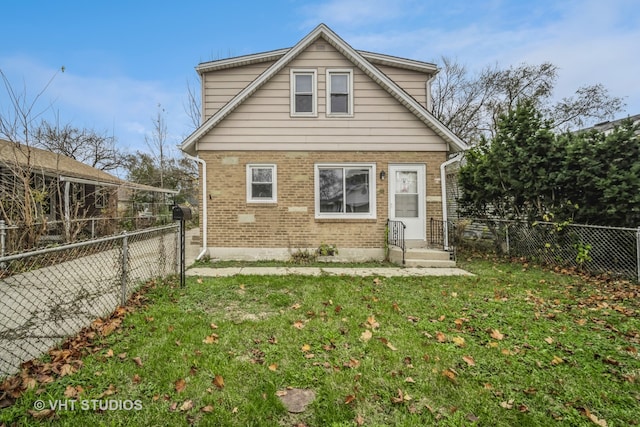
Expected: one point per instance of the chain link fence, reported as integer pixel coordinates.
(49, 294)
(595, 249)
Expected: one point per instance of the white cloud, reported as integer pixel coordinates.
(116, 105)
(590, 41)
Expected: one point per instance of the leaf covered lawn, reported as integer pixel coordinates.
(513, 345)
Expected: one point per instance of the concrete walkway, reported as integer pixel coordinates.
(330, 271)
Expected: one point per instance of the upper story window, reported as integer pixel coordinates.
(303, 93)
(339, 92)
(261, 183)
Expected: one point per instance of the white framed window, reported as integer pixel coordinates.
(340, 93)
(303, 93)
(262, 186)
(100, 195)
(345, 190)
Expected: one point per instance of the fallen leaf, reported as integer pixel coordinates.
(213, 326)
(281, 393)
(70, 392)
(187, 405)
(353, 363)
(557, 360)
(298, 324)
(349, 399)
(136, 379)
(137, 361)
(218, 381)
(469, 360)
(507, 404)
(409, 380)
(366, 335)
(40, 415)
(359, 420)
(305, 348)
(273, 367)
(440, 337)
(595, 419)
(109, 353)
(296, 306)
(66, 369)
(371, 321)
(395, 306)
(211, 339)
(207, 409)
(459, 341)
(450, 375)
(548, 340)
(399, 398)
(180, 385)
(496, 335)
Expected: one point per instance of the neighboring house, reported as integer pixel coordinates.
(317, 144)
(65, 189)
(608, 126)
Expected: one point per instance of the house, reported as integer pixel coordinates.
(66, 195)
(317, 144)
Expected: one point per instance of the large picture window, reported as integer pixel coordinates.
(261, 183)
(345, 191)
(303, 92)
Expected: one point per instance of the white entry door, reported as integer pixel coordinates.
(406, 199)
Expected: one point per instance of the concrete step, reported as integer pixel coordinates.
(421, 257)
(429, 254)
(430, 263)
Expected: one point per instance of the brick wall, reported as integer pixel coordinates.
(291, 222)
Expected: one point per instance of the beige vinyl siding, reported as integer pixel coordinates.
(412, 82)
(222, 85)
(379, 123)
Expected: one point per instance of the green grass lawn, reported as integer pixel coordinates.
(512, 346)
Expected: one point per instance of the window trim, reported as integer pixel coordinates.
(372, 214)
(340, 71)
(100, 197)
(274, 182)
(314, 92)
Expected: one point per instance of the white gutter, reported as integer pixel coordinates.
(203, 220)
(443, 184)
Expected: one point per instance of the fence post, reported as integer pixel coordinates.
(507, 238)
(638, 253)
(125, 266)
(3, 235)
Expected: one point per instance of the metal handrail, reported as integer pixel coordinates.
(395, 235)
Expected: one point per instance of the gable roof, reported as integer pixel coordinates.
(67, 168)
(363, 60)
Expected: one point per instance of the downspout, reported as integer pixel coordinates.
(203, 221)
(443, 184)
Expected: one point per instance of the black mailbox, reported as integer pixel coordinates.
(181, 213)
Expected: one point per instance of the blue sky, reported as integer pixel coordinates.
(123, 58)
